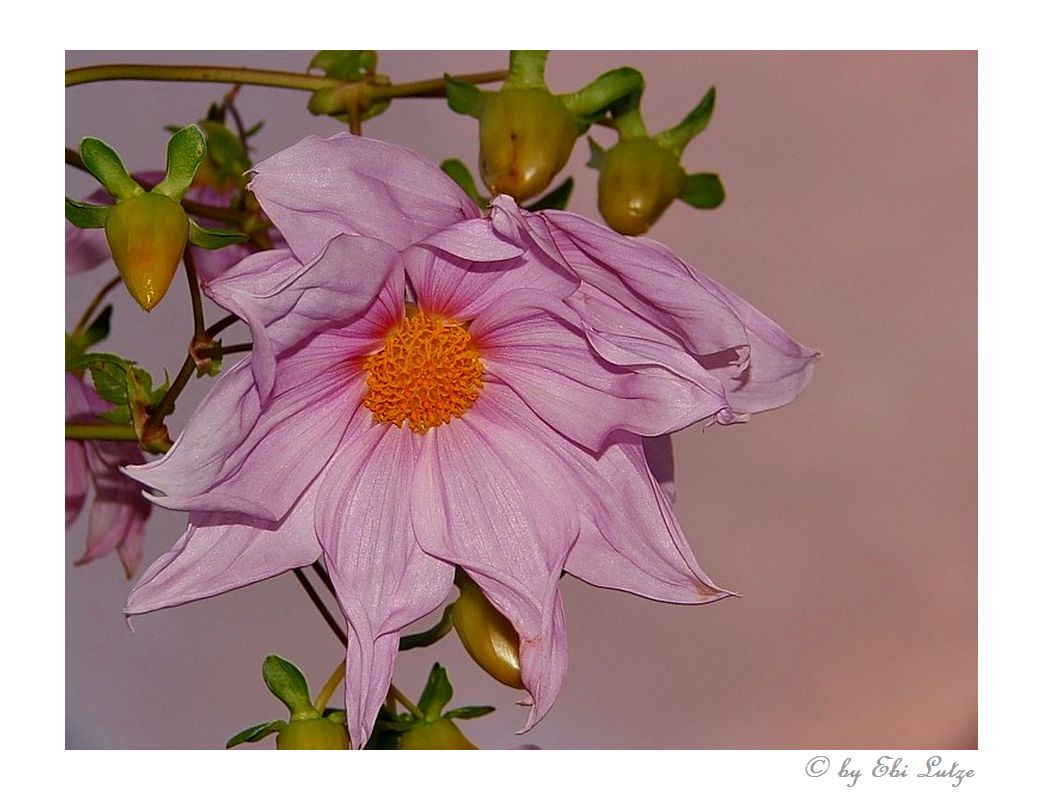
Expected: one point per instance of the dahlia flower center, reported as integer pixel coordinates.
(428, 372)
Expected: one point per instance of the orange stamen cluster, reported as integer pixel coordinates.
(427, 373)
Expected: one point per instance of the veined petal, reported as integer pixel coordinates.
(760, 365)
(384, 581)
(478, 502)
(319, 188)
(473, 240)
(235, 455)
(85, 248)
(537, 345)
(285, 302)
(220, 552)
(117, 518)
(75, 480)
(463, 289)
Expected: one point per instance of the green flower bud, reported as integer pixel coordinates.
(147, 234)
(638, 180)
(442, 734)
(525, 138)
(486, 634)
(318, 733)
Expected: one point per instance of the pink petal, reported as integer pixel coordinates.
(85, 248)
(75, 480)
(473, 240)
(118, 515)
(284, 301)
(319, 188)
(536, 344)
(761, 366)
(384, 581)
(235, 455)
(463, 289)
(478, 502)
(220, 552)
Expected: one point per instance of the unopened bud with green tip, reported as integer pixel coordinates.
(486, 634)
(526, 133)
(147, 231)
(642, 175)
(307, 728)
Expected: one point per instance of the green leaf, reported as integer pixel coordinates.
(253, 130)
(703, 190)
(469, 712)
(98, 329)
(288, 684)
(255, 733)
(597, 154)
(459, 172)
(85, 215)
(464, 97)
(185, 152)
(593, 101)
(104, 164)
(108, 373)
(345, 65)
(556, 198)
(437, 693)
(678, 137)
(213, 238)
(120, 415)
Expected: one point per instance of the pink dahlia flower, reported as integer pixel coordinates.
(119, 512)
(432, 388)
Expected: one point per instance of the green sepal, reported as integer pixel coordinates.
(458, 171)
(556, 198)
(226, 151)
(185, 152)
(469, 712)
(525, 69)
(678, 137)
(288, 684)
(593, 101)
(253, 130)
(85, 215)
(597, 154)
(464, 97)
(338, 715)
(703, 190)
(104, 164)
(345, 65)
(255, 733)
(437, 693)
(213, 238)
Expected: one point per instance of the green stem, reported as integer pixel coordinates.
(395, 693)
(86, 318)
(197, 74)
(112, 432)
(430, 636)
(434, 87)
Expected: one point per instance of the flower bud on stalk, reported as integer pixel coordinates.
(525, 138)
(486, 634)
(638, 181)
(442, 734)
(319, 733)
(147, 235)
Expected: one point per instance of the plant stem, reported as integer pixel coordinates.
(225, 350)
(197, 74)
(431, 635)
(433, 87)
(86, 318)
(324, 695)
(317, 602)
(396, 694)
(112, 432)
(221, 324)
(199, 324)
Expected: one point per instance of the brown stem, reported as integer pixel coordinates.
(199, 336)
(86, 318)
(317, 602)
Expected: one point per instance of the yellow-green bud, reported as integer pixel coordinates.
(317, 733)
(486, 634)
(442, 734)
(147, 236)
(525, 138)
(638, 180)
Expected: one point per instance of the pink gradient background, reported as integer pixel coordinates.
(847, 521)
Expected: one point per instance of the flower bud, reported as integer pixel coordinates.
(525, 138)
(147, 234)
(317, 733)
(486, 634)
(442, 734)
(638, 180)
